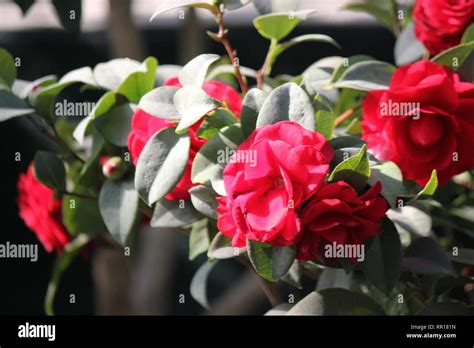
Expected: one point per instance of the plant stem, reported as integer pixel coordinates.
(224, 39)
(398, 27)
(266, 67)
(54, 137)
(344, 116)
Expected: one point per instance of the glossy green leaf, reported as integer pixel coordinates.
(366, 76)
(270, 262)
(199, 240)
(161, 164)
(468, 35)
(391, 178)
(407, 47)
(49, 170)
(426, 256)
(430, 187)
(455, 56)
(276, 26)
(251, 106)
(7, 69)
(82, 215)
(139, 83)
(288, 102)
(194, 73)
(11, 106)
(334, 278)
(206, 162)
(175, 4)
(193, 103)
(380, 9)
(221, 248)
(198, 286)
(159, 103)
(168, 213)
(383, 261)
(204, 200)
(118, 204)
(336, 302)
(116, 125)
(355, 170)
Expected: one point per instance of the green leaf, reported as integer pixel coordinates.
(334, 278)
(270, 262)
(221, 248)
(251, 106)
(194, 73)
(118, 204)
(168, 213)
(193, 103)
(391, 178)
(199, 240)
(82, 215)
(139, 83)
(115, 125)
(294, 275)
(269, 6)
(49, 170)
(355, 170)
(7, 69)
(280, 48)
(231, 5)
(325, 117)
(159, 103)
(380, 9)
(216, 121)
(203, 199)
(61, 264)
(276, 26)
(425, 256)
(383, 261)
(161, 164)
(69, 13)
(468, 35)
(84, 75)
(11, 106)
(455, 56)
(198, 286)
(287, 102)
(412, 220)
(104, 105)
(175, 4)
(407, 47)
(23, 89)
(345, 63)
(336, 302)
(366, 76)
(206, 162)
(44, 99)
(430, 187)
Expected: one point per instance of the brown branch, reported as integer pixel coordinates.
(343, 117)
(224, 39)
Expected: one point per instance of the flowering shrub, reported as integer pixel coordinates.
(329, 175)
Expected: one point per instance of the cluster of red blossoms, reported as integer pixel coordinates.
(285, 198)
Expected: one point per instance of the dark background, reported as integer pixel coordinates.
(44, 52)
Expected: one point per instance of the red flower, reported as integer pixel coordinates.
(424, 121)
(268, 178)
(336, 214)
(41, 211)
(440, 24)
(144, 126)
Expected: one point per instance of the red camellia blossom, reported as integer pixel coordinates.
(424, 121)
(337, 214)
(41, 211)
(440, 24)
(267, 179)
(144, 126)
